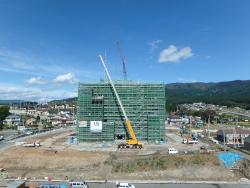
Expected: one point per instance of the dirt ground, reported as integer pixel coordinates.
(40, 163)
(55, 158)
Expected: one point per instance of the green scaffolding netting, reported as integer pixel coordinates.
(143, 103)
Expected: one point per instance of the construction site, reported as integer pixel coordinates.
(121, 133)
(57, 159)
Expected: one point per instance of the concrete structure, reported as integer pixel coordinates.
(233, 135)
(99, 117)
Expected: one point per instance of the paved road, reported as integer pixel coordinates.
(148, 184)
(157, 185)
(5, 144)
(175, 137)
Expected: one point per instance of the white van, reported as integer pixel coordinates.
(124, 185)
(172, 151)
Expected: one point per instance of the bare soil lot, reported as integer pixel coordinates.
(57, 159)
(39, 163)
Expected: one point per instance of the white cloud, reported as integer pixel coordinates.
(27, 63)
(173, 54)
(16, 92)
(36, 80)
(31, 64)
(154, 44)
(66, 78)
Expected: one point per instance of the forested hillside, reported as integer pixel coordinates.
(233, 93)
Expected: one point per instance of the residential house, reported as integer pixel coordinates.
(12, 120)
(31, 122)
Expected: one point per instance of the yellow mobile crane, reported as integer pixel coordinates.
(132, 142)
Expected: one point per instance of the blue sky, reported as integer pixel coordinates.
(46, 47)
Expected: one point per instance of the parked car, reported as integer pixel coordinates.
(29, 133)
(78, 184)
(172, 151)
(53, 185)
(124, 185)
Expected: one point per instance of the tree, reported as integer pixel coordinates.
(208, 114)
(4, 112)
(38, 119)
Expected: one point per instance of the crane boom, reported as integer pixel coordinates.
(123, 61)
(112, 84)
(133, 140)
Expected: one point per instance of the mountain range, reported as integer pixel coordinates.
(231, 93)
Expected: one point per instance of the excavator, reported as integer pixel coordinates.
(132, 142)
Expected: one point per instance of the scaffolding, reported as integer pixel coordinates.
(144, 104)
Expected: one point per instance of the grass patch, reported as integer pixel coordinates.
(158, 162)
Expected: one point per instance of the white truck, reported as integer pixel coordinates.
(187, 141)
(33, 144)
(29, 145)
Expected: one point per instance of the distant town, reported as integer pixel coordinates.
(29, 118)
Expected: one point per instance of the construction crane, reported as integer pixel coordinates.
(123, 61)
(132, 142)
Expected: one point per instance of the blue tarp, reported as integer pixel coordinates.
(229, 158)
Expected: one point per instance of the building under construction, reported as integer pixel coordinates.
(100, 118)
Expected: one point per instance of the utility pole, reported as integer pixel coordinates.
(209, 126)
(234, 135)
(224, 138)
(189, 125)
